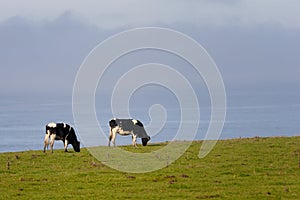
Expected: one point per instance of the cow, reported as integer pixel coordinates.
(127, 127)
(61, 131)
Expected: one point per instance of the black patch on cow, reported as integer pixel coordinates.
(139, 123)
(59, 125)
(125, 124)
(52, 130)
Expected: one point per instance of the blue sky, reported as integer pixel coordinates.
(255, 43)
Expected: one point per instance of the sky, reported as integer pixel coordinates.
(255, 43)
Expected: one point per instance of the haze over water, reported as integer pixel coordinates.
(249, 114)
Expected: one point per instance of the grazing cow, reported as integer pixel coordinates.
(127, 127)
(61, 131)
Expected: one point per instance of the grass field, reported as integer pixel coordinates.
(254, 168)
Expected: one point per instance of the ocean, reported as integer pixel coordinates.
(249, 114)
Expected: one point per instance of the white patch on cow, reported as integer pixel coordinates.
(122, 132)
(134, 121)
(119, 130)
(65, 125)
(52, 125)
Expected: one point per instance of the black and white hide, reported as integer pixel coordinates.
(124, 127)
(61, 131)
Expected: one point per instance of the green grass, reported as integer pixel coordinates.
(255, 168)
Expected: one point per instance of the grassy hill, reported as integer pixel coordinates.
(255, 168)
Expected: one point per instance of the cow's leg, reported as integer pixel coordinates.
(66, 144)
(46, 141)
(52, 138)
(112, 136)
(134, 140)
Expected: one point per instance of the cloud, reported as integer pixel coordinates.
(44, 56)
(251, 44)
(132, 13)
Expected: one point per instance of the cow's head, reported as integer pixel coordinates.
(145, 141)
(113, 123)
(76, 146)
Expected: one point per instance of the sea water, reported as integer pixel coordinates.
(249, 113)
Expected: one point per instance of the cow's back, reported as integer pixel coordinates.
(125, 124)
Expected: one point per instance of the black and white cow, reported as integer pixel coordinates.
(61, 131)
(127, 127)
